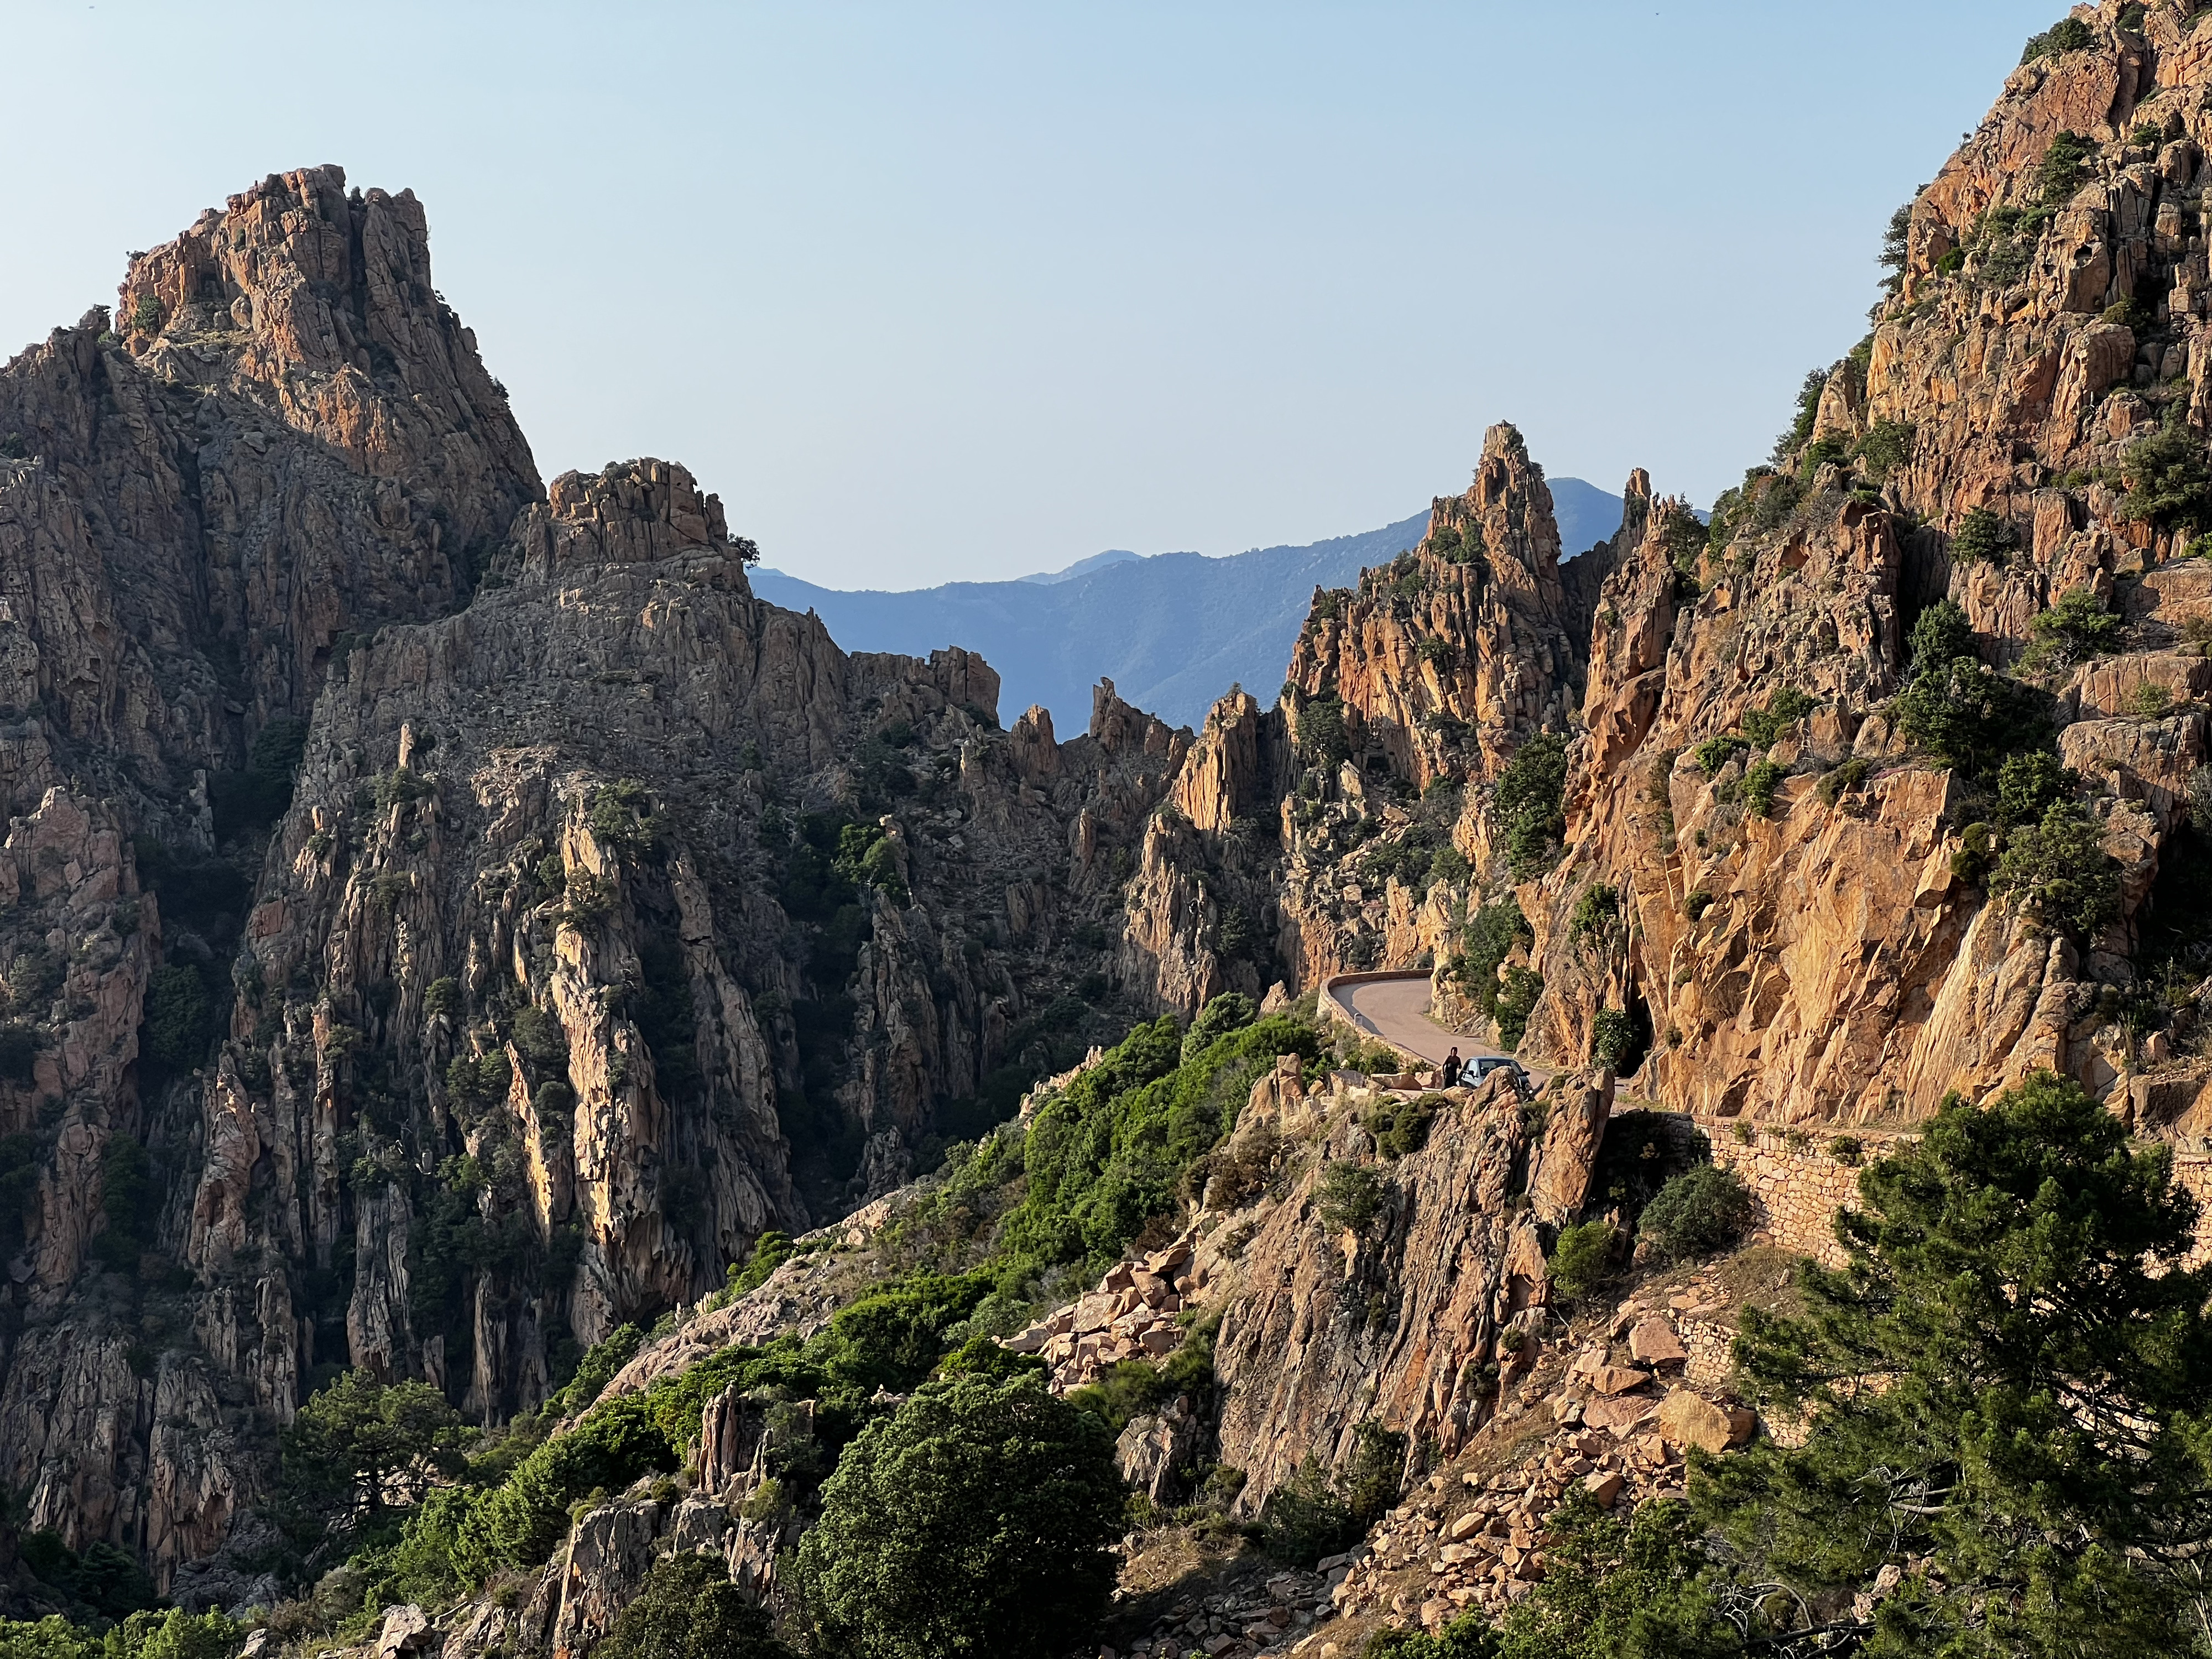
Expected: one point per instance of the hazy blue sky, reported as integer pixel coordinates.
(930, 291)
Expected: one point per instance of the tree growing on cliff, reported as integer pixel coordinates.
(977, 1520)
(2005, 1388)
(365, 1446)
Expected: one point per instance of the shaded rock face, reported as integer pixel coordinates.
(1413, 1322)
(615, 916)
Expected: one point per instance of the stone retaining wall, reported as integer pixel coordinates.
(1799, 1188)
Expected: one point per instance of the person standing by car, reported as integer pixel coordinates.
(1452, 1069)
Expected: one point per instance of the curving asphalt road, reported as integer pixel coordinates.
(1397, 1011)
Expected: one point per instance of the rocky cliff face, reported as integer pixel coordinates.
(1769, 876)
(614, 916)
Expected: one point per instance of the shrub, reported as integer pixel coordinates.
(19, 1051)
(1492, 933)
(1698, 1213)
(1841, 780)
(1231, 1010)
(1762, 727)
(1972, 717)
(1696, 902)
(2076, 626)
(1800, 426)
(1596, 912)
(1582, 1257)
(1982, 536)
(1348, 1197)
(1323, 739)
(1400, 1127)
(2149, 699)
(770, 1251)
(1527, 803)
(687, 1608)
(1516, 1000)
(2065, 160)
(2167, 480)
(1760, 783)
(179, 1017)
(1847, 1150)
(1941, 635)
(1616, 1041)
(1713, 753)
(1886, 447)
(2070, 34)
(977, 1519)
(620, 816)
(2057, 872)
(1311, 1515)
(441, 996)
(540, 1037)
(2030, 785)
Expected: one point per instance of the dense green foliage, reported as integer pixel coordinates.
(2034, 1459)
(1313, 1514)
(977, 1519)
(2168, 478)
(1492, 933)
(2056, 871)
(1783, 710)
(1527, 803)
(174, 1634)
(687, 1608)
(1699, 1212)
(1347, 1196)
(1516, 1000)
(1323, 737)
(1582, 1256)
(360, 1445)
(1971, 717)
(2076, 626)
(2068, 34)
(1982, 536)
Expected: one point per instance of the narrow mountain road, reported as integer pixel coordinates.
(1397, 1011)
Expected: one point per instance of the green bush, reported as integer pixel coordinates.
(1972, 717)
(1595, 912)
(2030, 785)
(770, 1251)
(1492, 933)
(1759, 783)
(1527, 803)
(1696, 902)
(1843, 780)
(2076, 626)
(1324, 740)
(1312, 1515)
(620, 816)
(358, 1445)
(1713, 753)
(1582, 1258)
(1516, 1000)
(1696, 1213)
(601, 1362)
(2069, 34)
(979, 1519)
(1399, 1126)
(179, 1017)
(1885, 447)
(1762, 727)
(2167, 476)
(1941, 635)
(1982, 536)
(1348, 1196)
(1616, 1042)
(1230, 1010)
(2057, 872)
(540, 1036)
(687, 1608)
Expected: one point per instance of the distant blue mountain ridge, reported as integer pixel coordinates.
(1172, 631)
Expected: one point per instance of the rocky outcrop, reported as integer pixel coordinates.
(616, 916)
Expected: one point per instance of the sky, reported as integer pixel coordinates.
(933, 291)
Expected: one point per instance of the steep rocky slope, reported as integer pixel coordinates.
(1803, 891)
(614, 916)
